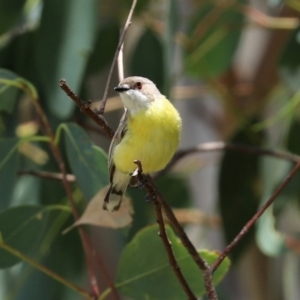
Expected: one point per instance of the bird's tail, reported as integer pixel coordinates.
(117, 189)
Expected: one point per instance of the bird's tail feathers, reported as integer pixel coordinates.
(114, 196)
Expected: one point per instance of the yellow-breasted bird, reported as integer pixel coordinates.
(148, 131)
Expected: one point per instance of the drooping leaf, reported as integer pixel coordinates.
(65, 40)
(147, 58)
(8, 94)
(94, 213)
(9, 165)
(144, 270)
(10, 12)
(23, 228)
(239, 189)
(88, 162)
(214, 33)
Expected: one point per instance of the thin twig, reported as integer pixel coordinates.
(202, 264)
(219, 146)
(48, 175)
(163, 234)
(127, 24)
(85, 108)
(252, 221)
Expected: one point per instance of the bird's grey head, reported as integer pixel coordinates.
(137, 93)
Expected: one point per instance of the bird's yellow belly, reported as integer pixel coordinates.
(151, 138)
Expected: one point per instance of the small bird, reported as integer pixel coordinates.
(149, 131)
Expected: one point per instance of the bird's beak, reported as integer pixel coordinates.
(121, 88)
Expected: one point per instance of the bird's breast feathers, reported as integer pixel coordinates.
(152, 136)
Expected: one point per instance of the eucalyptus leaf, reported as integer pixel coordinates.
(8, 93)
(9, 166)
(239, 195)
(144, 271)
(23, 228)
(214, 33)
(65, 40)
(88, 162)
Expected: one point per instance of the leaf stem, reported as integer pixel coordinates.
(45, 270)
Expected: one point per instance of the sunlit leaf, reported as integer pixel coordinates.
(144, 271)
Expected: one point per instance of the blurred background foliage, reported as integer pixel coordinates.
(232, 68)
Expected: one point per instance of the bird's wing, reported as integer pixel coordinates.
(119, 134)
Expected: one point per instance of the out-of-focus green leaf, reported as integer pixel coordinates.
(175, 190)
(273, 171)
(214, 33)
(139, 279)
(10, 12)
(65, 40)
(105, 47)
(171, 26)
(290, 276)
(147, 58)
(22, 228)
(239, 193)
(289, 63)
(88, 162)
(8, 94)
(9, 165)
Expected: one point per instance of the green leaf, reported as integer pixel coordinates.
(65, 40)
(175, 190)
(144, 271)
(9, 166)
(289, 63)
(10, 12)
(22, 228)
(269, 240)
(147, 58)
(88, 162)
(214, 33)
(8, 93)
(239, 189)
(105, 46)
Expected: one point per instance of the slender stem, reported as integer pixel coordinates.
(156, 197)
(85, 108)
(48, 175)
(202, 264)
(252, 221)
(220, 146)
(168, 247)
(127, 24)
(45, 270)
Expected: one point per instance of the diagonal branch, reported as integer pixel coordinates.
(156, 196)
(252, 221)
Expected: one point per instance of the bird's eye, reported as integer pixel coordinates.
(139, 85)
